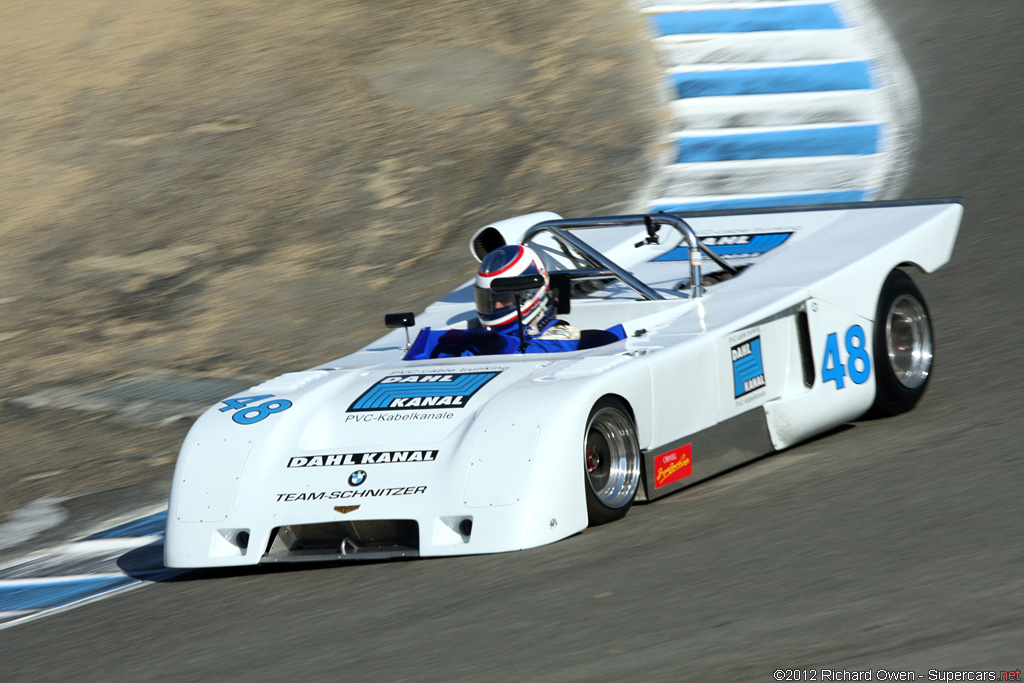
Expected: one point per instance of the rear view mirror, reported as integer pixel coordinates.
(393, 321)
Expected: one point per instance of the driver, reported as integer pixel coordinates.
(497, 310)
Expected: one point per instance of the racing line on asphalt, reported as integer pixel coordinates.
(773, 104)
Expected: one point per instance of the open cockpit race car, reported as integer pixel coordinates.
(707, 340)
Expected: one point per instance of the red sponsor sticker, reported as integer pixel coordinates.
(672, 466)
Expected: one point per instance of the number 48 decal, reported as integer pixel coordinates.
(833, 370)
(245, 415)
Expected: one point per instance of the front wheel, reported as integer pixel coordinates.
(903, 346)
(611, 458)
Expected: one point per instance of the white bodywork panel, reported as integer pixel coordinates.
(483, 454)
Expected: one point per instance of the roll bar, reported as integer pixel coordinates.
(559, 229)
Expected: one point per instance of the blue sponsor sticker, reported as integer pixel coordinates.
(419, 391)
(733, 246)
(747, 367)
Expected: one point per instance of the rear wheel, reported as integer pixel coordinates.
(903, 346)
(611, 459)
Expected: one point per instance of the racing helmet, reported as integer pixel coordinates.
(498, 309)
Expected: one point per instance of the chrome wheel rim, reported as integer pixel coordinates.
(908, 339)
(612, 458)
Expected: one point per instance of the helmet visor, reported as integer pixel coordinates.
(493, 306)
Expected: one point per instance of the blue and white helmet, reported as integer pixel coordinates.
(498, 309)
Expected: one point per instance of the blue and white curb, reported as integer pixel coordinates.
(779, 104)
(85, 570)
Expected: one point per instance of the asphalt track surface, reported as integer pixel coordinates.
(891, 544)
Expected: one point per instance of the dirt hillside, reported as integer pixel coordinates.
(245, 187)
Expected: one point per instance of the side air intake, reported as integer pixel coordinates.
(486, 241)
(508, 231)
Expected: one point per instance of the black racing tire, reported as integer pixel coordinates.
(611, 461)
(903, 345)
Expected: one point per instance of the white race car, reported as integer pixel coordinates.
(745, 332)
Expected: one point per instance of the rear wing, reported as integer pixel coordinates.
(729, 238)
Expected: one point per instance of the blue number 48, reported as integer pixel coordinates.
(245, 415)
(239, 403)
(859, 362)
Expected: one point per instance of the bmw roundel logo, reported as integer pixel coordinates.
(357, 478)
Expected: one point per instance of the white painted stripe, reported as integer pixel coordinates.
(14, 613)
(106, 545)
(785, 109)
(73, 560)
(787, 176)
(743, 66)
(720, 132)
(756, 47)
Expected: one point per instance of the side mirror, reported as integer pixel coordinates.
(393, 321)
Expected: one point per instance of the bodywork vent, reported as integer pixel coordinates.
(357, 540)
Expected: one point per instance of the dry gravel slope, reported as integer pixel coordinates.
(245, 187)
